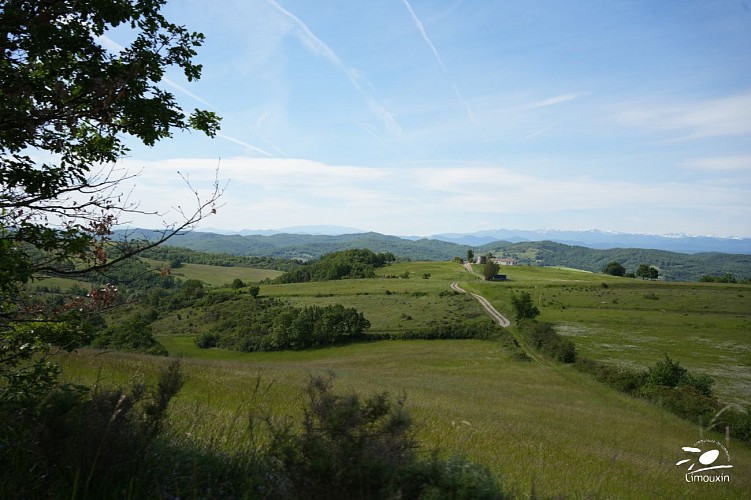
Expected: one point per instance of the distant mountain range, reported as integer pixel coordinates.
(605, 240)
(590, 239)
(672, 265)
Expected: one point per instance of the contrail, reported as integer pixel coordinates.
(113, 46)
(319, 48)
(245, 144)
(425, 37)
(424, 34)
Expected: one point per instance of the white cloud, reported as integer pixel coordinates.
(272, 192)
(552, 101)
(736, 163)
(728, 116)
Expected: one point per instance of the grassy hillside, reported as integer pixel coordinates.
(542, 427)
(549, 430)
(706, 326)
(629, 322)
(673, 266)
(217, 275)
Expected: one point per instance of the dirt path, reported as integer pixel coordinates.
(500, 318)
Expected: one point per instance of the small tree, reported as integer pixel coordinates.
(524, 307)
(238, 283)
(647, 272)
(614, 269)
(490, 269)
(470, 255)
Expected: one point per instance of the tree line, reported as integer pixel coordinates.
(344, 264)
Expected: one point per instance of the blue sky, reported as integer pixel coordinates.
(419, 117)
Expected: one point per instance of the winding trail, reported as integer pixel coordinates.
(500, 318)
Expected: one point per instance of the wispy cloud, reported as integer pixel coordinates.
(416, 199)
(552, 101)
(728, 116)
(318, 48)
(736, 163)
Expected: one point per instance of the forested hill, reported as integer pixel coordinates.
(306, 247)
(672, 265)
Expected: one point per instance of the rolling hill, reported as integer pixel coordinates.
(673, 266)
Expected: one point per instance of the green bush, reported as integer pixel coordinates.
(206, 340)
(669, 373)
(684, 401)
(619, 378)
(524, 307)
(133, 334)
(354, 448)
(81, 442)
(544, 338)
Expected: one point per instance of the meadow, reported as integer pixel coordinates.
(546, 429)
(217, 275)
(634, 323)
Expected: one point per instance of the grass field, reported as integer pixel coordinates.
(705, 326)
(542, 428)
(217, 275)
(551, 430)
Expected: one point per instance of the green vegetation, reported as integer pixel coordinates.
(524, 307)
(269, 325)
(614, 269)
(346, 264)
(473, 398)
(490, 269)
(531, 425)
(672, 266)
(110, 443)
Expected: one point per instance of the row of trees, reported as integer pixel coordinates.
(644, 271)
(275, 326)
(345, 264)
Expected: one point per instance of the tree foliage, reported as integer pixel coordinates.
(647, 272)
(524, 307)
(268, 325)
(490, 269)
(614, 269)
(346, 264)
(71, 99)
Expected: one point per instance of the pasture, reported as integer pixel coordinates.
(550, 430)
(545, 429)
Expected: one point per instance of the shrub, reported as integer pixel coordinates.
(545, 339)
(207, 340)
(354, 448)
(684, 401)
(524, 307)
(133, 334)
(88, 443)
(619, 378)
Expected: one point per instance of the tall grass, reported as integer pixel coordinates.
(551, 430)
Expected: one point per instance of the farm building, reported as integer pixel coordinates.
(504, 262)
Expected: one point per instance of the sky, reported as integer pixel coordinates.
(417, 117)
